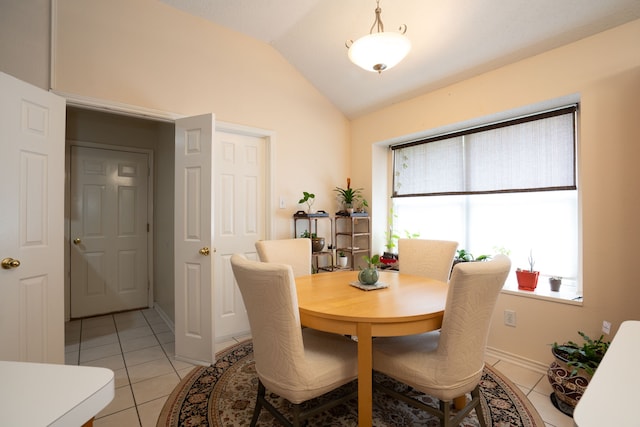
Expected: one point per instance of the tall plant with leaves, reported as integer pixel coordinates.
(390, 236)
(349, 196)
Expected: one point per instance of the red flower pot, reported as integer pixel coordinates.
(527, 280)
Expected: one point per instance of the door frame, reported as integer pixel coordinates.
(112, 107)
(67, 208)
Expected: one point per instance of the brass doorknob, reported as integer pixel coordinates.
(9, 263)
(204, 251)
(77, 241)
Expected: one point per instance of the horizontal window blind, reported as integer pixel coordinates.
(533, 153)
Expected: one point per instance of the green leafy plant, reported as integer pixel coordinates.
(586, 356)
(372, 261)
(502, 250)
(308, 235)
(463, 255)
(349, 195)
(390, 236)
(410, 235)
(341, 254)
(307, 198)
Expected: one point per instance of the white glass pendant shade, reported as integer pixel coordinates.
(379, 51)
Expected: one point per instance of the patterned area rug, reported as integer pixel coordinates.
(224, 395)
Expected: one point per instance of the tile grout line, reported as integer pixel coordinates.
(126, 367)
(161, 346)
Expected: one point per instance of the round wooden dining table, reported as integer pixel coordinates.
(409, 305)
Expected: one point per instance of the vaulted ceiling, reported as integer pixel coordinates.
(451, 39)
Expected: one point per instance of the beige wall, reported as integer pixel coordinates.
(25, 40)
(604, 71)
(147, 54)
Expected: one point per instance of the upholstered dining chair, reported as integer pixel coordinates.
(427, 258)
(294, 363)
(448, 364)
(293, 252)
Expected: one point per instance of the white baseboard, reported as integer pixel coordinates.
(533, 365)
(165, 317)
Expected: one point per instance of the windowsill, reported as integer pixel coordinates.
(566, 295)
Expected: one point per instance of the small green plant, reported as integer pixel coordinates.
(341, 254)
(307, 198)
(463, 255)
(502, 250)
(586, 356)
(308, 235)
(373, 261)
(410, 235)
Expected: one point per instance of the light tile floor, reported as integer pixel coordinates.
(139, 347)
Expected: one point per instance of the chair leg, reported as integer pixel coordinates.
(445, 408)
(475, 395)
(296, 415)
(259, 399)
(300, 415)
(443, 412)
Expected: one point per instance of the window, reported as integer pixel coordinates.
(505, 186)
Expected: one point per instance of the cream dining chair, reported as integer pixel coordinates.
(447, 364)
(427, 258)
(293, 252)
(294, 363)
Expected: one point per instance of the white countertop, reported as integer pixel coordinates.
(612, 393)
(40, 394)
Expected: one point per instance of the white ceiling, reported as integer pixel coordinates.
(451, 39)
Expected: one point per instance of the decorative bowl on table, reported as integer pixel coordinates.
(368, 276)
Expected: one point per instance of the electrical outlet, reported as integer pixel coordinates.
(606, 327)
(282, 204)
(510, 318)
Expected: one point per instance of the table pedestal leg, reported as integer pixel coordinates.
(365, 369)
(460, 402)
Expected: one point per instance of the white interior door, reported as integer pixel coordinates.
(193, 264)
(108, 231)
(239, 176)
(31, 223)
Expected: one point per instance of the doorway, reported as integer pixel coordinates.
(112, 139)
(158, 136)
(109, 226)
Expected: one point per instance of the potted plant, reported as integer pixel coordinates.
(390, 256)
(528, 279)
(555, 282)
(363, 205)
(462, 255)
(317, 243)
(342, 259)
(348, 196)
(369, 274)
(574, 365)
(308, 198)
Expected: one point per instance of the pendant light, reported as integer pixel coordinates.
(379, 51)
